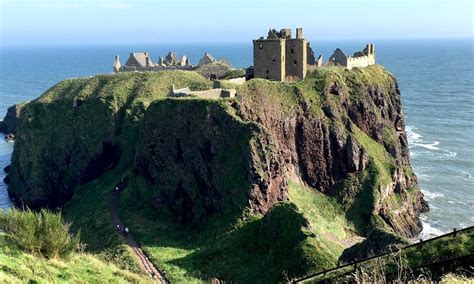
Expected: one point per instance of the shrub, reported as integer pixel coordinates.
(234, 73)
(42, 233)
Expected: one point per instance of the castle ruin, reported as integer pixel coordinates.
(141, 61)
(280, 57)
(362, 58)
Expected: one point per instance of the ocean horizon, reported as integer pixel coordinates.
(435, 77)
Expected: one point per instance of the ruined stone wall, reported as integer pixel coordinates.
(212, 94)
(269, 59)
(296, 58)
(338, 58)
(154, 68)
(360, 61)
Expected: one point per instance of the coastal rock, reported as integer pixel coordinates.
(340, 132)
(199, 160)
(321, 143)
(10, 138)
(377, 242)
(9, 123)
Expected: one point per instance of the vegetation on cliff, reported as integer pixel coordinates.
(38, 247)
(427, 261)
(286, 175)
(42, 233)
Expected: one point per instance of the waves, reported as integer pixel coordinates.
(430, 231)
(415, 140)
(431, 195)
(445, 180)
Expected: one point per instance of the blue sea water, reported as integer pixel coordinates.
(435, 78)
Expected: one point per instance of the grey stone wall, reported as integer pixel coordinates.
(296, 58)
(269, 59)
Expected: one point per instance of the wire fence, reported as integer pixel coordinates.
(421, 242)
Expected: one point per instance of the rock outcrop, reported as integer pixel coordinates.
(200, 160)
(9, 123)
(340, 132)
(325, 132)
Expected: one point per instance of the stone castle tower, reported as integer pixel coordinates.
(280, 57)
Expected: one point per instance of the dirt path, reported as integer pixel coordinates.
(145, 264)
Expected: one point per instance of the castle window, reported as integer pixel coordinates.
(295, 62)
(268, 71)
(273, 59)
(260, 46)
(292, 51)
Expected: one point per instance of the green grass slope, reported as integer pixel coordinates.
(17, 266)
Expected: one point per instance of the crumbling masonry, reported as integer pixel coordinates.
(362, 58)
(280, 57)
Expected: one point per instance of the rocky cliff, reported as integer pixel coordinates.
(9, 122)
(339, 132)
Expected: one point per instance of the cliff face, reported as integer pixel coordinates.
(8, 125)
(200, 159)
(340, 132)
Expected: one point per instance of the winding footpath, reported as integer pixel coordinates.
(145, 264)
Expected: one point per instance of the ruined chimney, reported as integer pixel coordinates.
(299, 33)
(117, 64)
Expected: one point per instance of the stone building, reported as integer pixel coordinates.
(207, 59)
(280, 57)
(362, 58)
(141, 61)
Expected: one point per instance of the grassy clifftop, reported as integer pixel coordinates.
(214, 184)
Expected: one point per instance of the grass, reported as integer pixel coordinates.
(235, 250)
(281, 243)
(41, 233)
(414, 261)
(451, 278)
(17, 266)
(324, 213)
(376, 177)
(88, 212)
(235, 73)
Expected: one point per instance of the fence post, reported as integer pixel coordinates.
(454, 232)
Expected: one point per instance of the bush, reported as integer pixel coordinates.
(42, 233)
(234, 73)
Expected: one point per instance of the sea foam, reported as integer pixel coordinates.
(429, 231)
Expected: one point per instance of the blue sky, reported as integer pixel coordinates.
(124, 21)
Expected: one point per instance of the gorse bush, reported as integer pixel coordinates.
(42, 233)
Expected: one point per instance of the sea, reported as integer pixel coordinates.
(436, 79)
